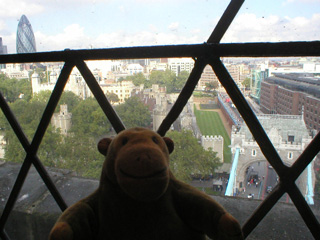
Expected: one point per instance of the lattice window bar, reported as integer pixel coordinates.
(208, 53)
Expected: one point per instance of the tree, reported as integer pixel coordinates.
(189, 157)
(89, 119)
(181, 80)
(69, 98)
(13, 89)
(246, 83)
(164, 78)
(79, 153)
(28, 115)
(212, 86)
(137, 79)
(42, 96)
(134, 113)
(112, 97)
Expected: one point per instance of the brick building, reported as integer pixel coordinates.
(292, 94)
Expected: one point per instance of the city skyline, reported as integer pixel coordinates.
(102, 23)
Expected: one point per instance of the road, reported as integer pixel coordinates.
(261, 179)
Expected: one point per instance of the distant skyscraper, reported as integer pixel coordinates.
(3, 48)
(26, 42)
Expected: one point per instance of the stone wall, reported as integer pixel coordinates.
(36, 211)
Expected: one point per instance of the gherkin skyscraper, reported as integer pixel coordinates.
(26, 42)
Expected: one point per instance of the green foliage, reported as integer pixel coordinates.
(70, 99)
(169, 79)
(42, 96)
(138, 79)
(166, 78)
(12, 88)
(181, 80)
(79, 153)
(134, 113)
(42, 74)
(210, 123)
(212, 86)
(112, 97)
(189, 157)
(78, 150)
(29, 115)
(246, 83)
(88, 119)
(201, 94)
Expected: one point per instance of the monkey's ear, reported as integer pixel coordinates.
(169, 143)
(103, 145)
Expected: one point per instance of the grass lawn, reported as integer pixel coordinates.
(210, 123)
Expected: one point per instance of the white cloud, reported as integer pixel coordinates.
(174, 26)
(301, 1)
(73, 36)
(2, 24)
(250, 28)
(142, 38)
(246, 28)
(10, 9)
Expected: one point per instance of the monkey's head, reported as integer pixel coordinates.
(137, 160)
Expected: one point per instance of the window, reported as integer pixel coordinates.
(290, 155)
(212, 57)
(290, 138)
(253, 152)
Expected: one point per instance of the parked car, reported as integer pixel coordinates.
(250, 195)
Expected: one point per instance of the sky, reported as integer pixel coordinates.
(83, 24)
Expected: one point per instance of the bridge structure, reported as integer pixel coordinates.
(290, 137)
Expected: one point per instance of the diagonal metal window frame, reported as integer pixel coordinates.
(205, 54)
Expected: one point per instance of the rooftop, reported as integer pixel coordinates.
(286, 125)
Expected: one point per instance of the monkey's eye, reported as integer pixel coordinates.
(124, 141)
(155, 140)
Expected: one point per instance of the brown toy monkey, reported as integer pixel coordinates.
(138, 198)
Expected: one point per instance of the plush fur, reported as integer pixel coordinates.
(138, 198)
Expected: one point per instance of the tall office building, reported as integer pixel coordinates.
(26, 42)
(3, 50)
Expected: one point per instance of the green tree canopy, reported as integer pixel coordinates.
(137, 79)
(89, 119)
(12, 88)
(164, 78)
(189, 157)
(69, 98)
(212, 86)
(246, 82)
(134, 113)
(28, 115)
(169, 79)
(112, 97)
(181, 80)
(42, 96)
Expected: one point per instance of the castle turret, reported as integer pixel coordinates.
(35, 83)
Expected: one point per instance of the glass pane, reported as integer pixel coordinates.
(209, 134)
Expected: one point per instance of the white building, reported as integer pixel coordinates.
(178, 65)
(75, 84)
(15, 70)
(122, 89)
(134, 68)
